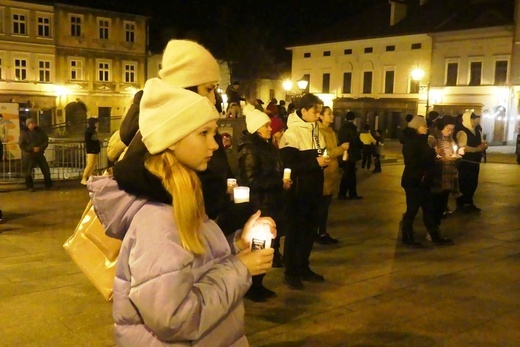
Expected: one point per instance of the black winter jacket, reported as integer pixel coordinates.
(348, 133)
(260, 169)
(33, 138)
(130, 123)
(92, 144)
(419, 159)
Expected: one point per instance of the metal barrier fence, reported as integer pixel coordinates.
(66, 160)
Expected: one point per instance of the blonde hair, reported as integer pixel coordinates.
(186, 190)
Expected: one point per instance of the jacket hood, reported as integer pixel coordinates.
(466, 121)
(114, 207)
(295, 121)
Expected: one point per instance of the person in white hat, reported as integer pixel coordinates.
(177, 280)
(260, 169)
(185, 64)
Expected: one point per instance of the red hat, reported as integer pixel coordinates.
(276, 125)
(272, 110)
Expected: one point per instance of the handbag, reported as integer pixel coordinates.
(94, 252)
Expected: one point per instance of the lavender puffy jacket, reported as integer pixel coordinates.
(165, 295)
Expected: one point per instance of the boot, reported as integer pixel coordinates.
(438, 239)
(408, 238)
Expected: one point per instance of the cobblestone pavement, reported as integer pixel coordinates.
(377, 292)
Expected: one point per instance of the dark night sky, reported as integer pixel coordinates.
(278, 22)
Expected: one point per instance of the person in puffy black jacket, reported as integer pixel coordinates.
(260, 169)
(419, 166)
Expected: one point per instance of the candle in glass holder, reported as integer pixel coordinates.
(287, 174)
(241, 194)
(455, 148)
(325, 153)
(261, 237)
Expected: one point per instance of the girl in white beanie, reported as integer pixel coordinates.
(177, 280)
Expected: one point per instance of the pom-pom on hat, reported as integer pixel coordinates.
(186, 63)
(169, 114)
(255, 119)
(416, 122)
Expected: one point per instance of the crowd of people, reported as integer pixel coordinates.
(437, 165)
(188, 254)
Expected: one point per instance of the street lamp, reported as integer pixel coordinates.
(287, 86)
(418, 75)
(302, 84)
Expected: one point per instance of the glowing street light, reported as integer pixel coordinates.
(417, 75)
(302, 84)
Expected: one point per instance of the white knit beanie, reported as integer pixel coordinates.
(416, 122)
(168, 114)
(187, 64)
(255, 119)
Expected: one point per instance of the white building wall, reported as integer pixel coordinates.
(402, 60)
(483, 45)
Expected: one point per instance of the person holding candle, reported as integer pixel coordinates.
(260, 169)
(185, 64)
(469, 137)
(419, 163)
(301, 149)
(177, 280)
(331, 173)
(445, 177)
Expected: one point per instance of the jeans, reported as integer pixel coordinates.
(30, 161)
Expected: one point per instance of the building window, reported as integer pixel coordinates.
(416, 45)
(103, 71)
(390, 48)
(326, 54)
(475, 73)
(389, 81)
(1, 20)
(347, 51)
(75, 26)
(19, 24)
(369, 49)
(414, 86)
(129, 72)
(44, 27)
(103, 28)
(347, 82)
(307, 77)
(44, 71)
(306, 55)
(325, 88)
(452, 72)
(500, 72)
(20, 69)
(129, 32)
(367, 82)
(76, 69)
